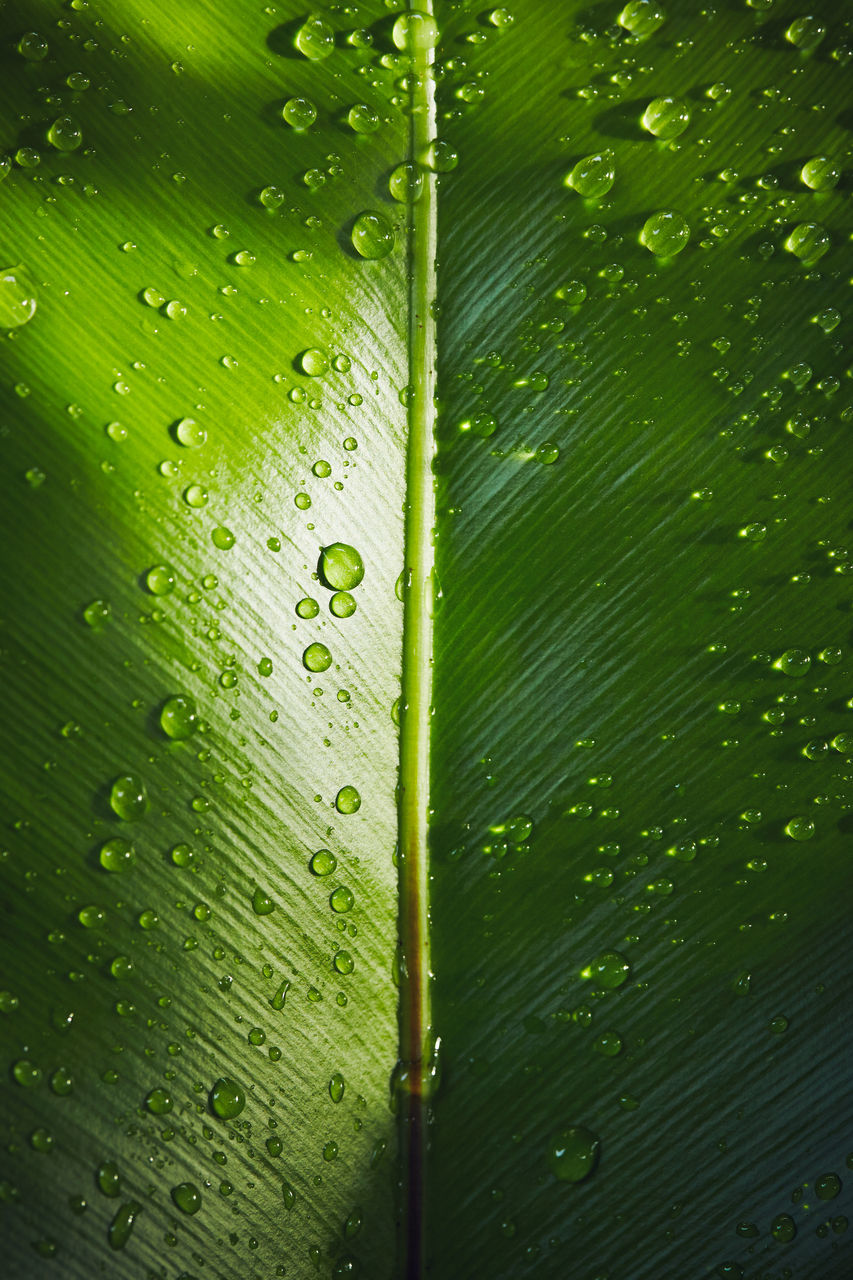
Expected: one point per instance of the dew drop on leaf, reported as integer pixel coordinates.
(227, 1098)
(315, 39)
(666, 118)
(65, 134)
(406, 183)
(793, 662)
(342, 604)
(323, 862)
(262, 903)
(316, 657)
(178, 717)
(641, 17)
(341, 567)
(609, 970)
(372, 235)
(808, 241)
(821, 173)
(800, 828)
(189, 434)
(314, 362)
(120, 1228)
(128, 797)
(573, 1154)
(347, 800)
(160, 579)
(307, 608)
(594, 175)
(341, 899)
(116, 854)
(362, 118)
(17, 302)
(664, 234)
(187, 1197)
(415, 32)
(299, 113)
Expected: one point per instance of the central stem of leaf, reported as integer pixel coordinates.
(416, 1052)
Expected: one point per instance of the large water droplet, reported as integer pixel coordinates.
(116, 854)
(178, 718)
(666, 117)
(187, 1197)
(227, 1098)
(347, 800)
(594, 175)
(65, 134)
(316, 658)
(372, 235)
(642, 17)
(17, 302)
(341, 567)
(128, 797)
(808, 241)
(299, 113)
(415, 32)
(821, 173)
(315, 39)
(406, 183)
(665, 234)
(609, 970)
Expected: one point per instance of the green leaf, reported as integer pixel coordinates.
(633, 745)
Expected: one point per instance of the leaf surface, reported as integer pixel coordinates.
(642, 474)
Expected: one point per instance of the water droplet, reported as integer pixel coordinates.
(336, 1087)
(182, 855)
(573, 1154)
(32, 46)
(347, 800)
(17, 302)
(594, 175)
(342, 899)
(805, 33)
(189, 434)
(341, 567)
(665, 233)
(187, 1197)
(96, 613)
(808, 241)
(547, 453)
(783, 1228)
(501, 18)
(314, 362)
(343, 962)
(441, 156)
(800, 828)
(821, 173)
(159, 1102)
(195, 495)
(26, 1073)
(342, 604)
(62, 1082)
(65, 134)
(315, 39)
(642, 18)
(793, 662)
(222, 538)
(415, 32)
(372, 235)
(120, 1228)
(272, 197)
(160, 580)
(406, 183)
(316, 658)
(609, 970)
(116, 854)
(128, 797)
(363, 119)
(608, 1044)
(827, 1186)
(108, 1178)
(227, 1098)
(262, 903)
(178, 717)
(322, 468)
(323, 862)
(666, 117)
(307, 608)
(299, 113)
